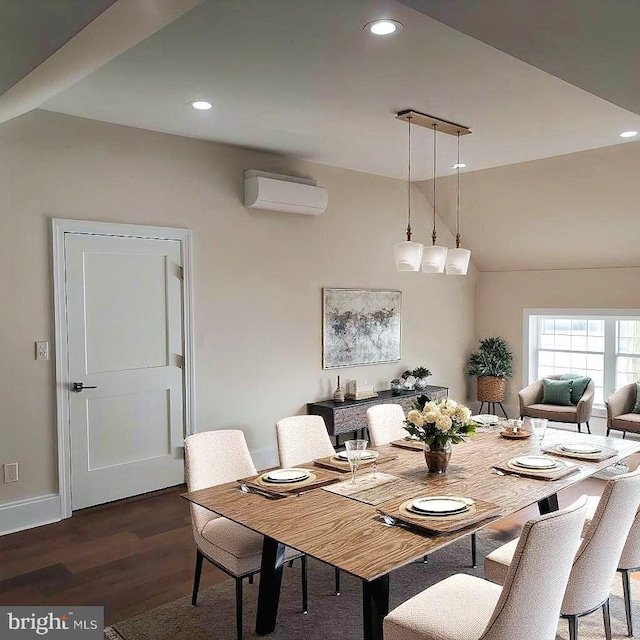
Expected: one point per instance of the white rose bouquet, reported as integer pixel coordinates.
(438, 422)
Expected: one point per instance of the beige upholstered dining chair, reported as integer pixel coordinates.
(464, 607)
(212, 458)
(303, 439)
(386, 422)
(629, 560)
(531, 405)
(596, 558)
(620, 414)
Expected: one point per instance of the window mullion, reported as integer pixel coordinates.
(609, 385)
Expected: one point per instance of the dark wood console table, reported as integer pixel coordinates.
(351, 415)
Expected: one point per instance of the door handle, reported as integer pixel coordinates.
(78, 386)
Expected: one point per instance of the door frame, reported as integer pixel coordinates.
(60, 227)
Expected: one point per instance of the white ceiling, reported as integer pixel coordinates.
(302, 78)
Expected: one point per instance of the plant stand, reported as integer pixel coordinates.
(491, 406)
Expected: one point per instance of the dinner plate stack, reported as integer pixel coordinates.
(286, 476)
(440, 505)
(536, 463)
(579, 447)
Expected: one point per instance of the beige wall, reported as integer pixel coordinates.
(502, 297)
(258, 275)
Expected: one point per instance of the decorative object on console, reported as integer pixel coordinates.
(338, 394)
(420, 374)
(439, 424)
(434, 257)
(360, 326)
(492, 364)
(396, 386)
(360, 390)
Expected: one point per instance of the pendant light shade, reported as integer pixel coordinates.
(434, 257)
(457, 261)
(408, 254)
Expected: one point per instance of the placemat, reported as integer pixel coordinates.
(479, 511)
(317, 478)
(343, 465)
(373, 491)
(416, 445)
(544, 474)
(606, 452)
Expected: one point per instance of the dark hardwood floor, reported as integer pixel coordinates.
(128, 556)
(133, 555)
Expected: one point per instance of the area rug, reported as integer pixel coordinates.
(330, 617)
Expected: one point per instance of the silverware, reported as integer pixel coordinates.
(500, 472)
(245, 488)
(390, 521)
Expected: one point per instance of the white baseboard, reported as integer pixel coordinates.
(265, 458)
(29, 513)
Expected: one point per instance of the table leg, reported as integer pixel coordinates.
(548, 504)
(270, 580)
(375, 606)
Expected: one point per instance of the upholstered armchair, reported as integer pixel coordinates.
(620, 414)
(531, 405)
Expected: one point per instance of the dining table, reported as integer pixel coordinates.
(351, 535)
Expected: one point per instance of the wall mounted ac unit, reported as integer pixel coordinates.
(275, 192)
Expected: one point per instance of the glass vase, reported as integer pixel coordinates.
(437, 456)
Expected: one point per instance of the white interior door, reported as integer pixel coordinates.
(125, 347)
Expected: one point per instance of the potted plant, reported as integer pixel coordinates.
(439, 424)
(420, 374)
(492, 364)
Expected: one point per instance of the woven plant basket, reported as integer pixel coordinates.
(491, 389)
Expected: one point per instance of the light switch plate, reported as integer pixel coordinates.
(42, 350)
(10, 472)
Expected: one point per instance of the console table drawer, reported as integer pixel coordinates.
(351, 415)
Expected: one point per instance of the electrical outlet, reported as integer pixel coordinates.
(42, 350)
(10, 472)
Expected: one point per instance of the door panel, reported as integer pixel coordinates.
(124, 311)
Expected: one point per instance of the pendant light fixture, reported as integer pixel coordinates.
(433, 257)
(458, 259)
(408, 254)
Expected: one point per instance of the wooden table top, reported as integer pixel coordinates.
(347, 534)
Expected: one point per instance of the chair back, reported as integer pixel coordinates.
(630, 558)
(302, 439)
(529, 605)
(597, 559)
(212, 458)
(386, 422)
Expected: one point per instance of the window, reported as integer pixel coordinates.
(606, 348)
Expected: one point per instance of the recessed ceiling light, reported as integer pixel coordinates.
(383, 27)
(201, 105)
(628, 134)
(462, 165)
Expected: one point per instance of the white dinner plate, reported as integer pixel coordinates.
(486, 419)
(366, 455)
(579, 447)
(440, 505)
(539, 463)
(286, 475)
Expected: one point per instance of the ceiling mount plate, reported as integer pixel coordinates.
(424, 120)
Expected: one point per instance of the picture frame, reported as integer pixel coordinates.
(360, 327)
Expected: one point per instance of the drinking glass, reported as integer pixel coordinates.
(354, 449)
(539, 426)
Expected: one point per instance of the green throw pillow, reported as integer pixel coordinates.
(636, 409)
(579, 385)
(557, 392)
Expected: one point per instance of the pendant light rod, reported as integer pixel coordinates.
(433, 233)
(425, 120)
(458, 197)
(409, 184)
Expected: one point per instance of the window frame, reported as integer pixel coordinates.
(531, 346)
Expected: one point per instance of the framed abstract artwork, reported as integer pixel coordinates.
(360, 326)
